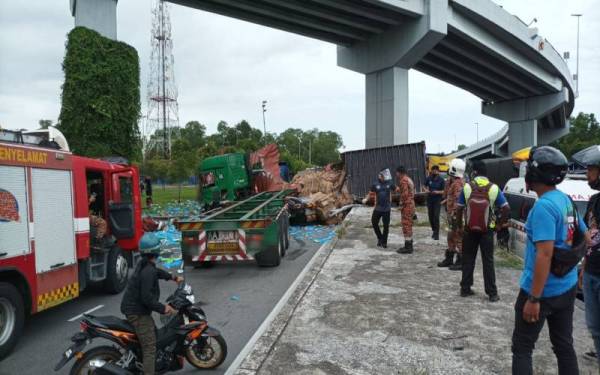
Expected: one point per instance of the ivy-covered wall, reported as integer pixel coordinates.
(101, 96)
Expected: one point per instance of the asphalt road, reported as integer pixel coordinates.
(237, 297)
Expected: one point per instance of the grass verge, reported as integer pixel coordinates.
(163, 195)
(507, 259)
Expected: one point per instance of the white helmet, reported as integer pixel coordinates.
(457, 168)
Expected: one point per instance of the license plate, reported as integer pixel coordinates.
(223, 242)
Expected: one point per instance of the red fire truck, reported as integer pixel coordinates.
(48, 251)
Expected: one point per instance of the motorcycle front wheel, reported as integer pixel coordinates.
(93, 359)
(207, 356)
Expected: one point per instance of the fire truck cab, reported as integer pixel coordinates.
(49, 250)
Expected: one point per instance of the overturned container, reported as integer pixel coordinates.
(362, 166)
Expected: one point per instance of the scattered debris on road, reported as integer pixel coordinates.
(314, 233)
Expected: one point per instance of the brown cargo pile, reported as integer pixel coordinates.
(321, 192)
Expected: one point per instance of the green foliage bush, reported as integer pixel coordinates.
(101, 96)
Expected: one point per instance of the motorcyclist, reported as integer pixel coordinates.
(141, 298)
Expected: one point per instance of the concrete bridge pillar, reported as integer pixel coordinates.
(522, 134)
(531, 121)
(386, 122)
(97, 15)
(385, 60)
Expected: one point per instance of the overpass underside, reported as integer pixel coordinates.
(472, 44)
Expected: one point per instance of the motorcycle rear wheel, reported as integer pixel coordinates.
(210, 356)
(95, 358)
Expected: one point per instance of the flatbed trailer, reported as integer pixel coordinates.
(253, 229)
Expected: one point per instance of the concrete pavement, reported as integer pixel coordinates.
(373, 311)
(238, 297)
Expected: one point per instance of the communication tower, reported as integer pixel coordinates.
(162, 117)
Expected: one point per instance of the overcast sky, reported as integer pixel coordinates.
(225, 68)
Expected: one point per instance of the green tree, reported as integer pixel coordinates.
(584, 131)
(461, 147)
(44, 124)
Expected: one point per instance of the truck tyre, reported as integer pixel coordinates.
(116, 271)
(282, 235)
(286, 230)
(271, 257)
(12, 318)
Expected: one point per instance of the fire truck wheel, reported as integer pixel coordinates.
(12, 318)
(116, 271)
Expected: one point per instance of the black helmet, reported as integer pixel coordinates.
(546, 165)
(589, 157)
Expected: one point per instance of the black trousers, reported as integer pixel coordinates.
(433, 210)
(375, 219)
(485, 242)
(558, 311)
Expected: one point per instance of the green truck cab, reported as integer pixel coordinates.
(224, 178)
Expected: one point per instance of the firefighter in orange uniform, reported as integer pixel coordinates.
(452, 192)
(406, 188)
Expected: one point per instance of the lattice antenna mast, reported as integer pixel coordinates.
(162, 117)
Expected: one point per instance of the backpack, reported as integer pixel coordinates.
(563, 261)
(478, 208)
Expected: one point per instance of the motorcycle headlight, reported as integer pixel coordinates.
(191, 298)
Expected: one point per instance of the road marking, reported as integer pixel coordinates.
(86, 312)
(233, 367)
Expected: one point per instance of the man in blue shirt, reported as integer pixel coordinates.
(435, 187)
(550, 227)
(478, 199)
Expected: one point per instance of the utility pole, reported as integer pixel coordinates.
(578, 15)
(299, 144)
(310, 151)
(477, 126)
(264, 108)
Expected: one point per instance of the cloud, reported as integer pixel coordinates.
(225, 68)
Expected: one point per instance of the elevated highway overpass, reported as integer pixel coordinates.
(472, 44)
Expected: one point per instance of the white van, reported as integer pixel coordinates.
(521, 201)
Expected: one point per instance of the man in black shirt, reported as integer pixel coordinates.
(435, 187)
(148, 182)
(383, 205)
(589, 276)
(141, 298)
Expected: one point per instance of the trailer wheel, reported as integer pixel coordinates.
(116, 271)
(271, 257)
(286, 230)
(12, 318)
(282, 235)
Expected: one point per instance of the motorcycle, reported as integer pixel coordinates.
(185, 335)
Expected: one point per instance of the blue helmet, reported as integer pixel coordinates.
(149, 245)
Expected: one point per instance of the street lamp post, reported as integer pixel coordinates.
(578, 15)
(477, 126)
(264, 109)
(299, 144)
